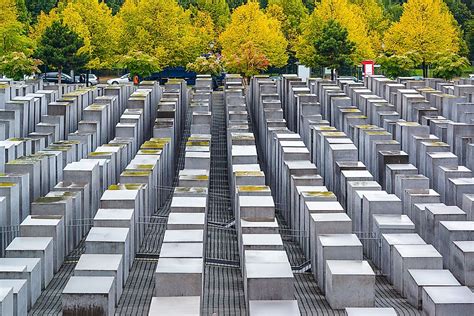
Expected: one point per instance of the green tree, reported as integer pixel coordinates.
(394, 11)
(333, 49)
(398, 65)
(93, 22)
(350, 16)
(309, 4)
(61, 48)
(35, 7)
(469, 36)
(115, 5)
(186, 3)
(23, 14)
(16, 65)
(450, 65)
(460, 11)
(140, 64)
(233, 4)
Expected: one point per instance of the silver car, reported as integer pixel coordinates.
(93, 79)
(124, 79)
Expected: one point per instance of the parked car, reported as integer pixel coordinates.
(54, 76)
(471, 76)
(93, 80)
(175, 73)
(124, 79)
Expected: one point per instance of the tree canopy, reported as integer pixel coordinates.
(348, 15)
(252, 41)
(252, 35)
(218, 10)
(447, 66)
(13, 36)
(16, 64)
(290, 13)
(35, 7)
(93, 22)
(427, 28)
(140, 64)
(163, 29)
(62, 48)
(334, 49)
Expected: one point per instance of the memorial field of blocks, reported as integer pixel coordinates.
(346, 198)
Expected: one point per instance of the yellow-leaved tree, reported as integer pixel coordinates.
(427, 28)
(163, 29)
(349, 15)
(290, 13)
(93, 22)
(218, 10)
(377, 22)
(12, 31)
(252, 41)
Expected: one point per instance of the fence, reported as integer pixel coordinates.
(7, 234)
(372, 245)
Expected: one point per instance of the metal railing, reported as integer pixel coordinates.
(372, 247)
(7, 234)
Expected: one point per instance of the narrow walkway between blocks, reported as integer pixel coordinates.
(223, 283)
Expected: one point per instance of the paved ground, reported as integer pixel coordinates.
(223, 284)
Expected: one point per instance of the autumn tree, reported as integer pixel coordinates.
(334, 49)
(61, 48)
(218, 10)
(206, 65)
(425, 27)
(16, 65)
(252, 41)
(349, 16)
(290, 13)
(376, 21)
(163, 29)
(12, 32)
(93, 22)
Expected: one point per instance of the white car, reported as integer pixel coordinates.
(124, 79)
(471, 76)
(93, 80)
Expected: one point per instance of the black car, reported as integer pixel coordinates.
(181, 73)
(54, 76)
(175, 73)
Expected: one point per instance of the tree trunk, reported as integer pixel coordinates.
(332, 73)
(87, 77)
(425, 69)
